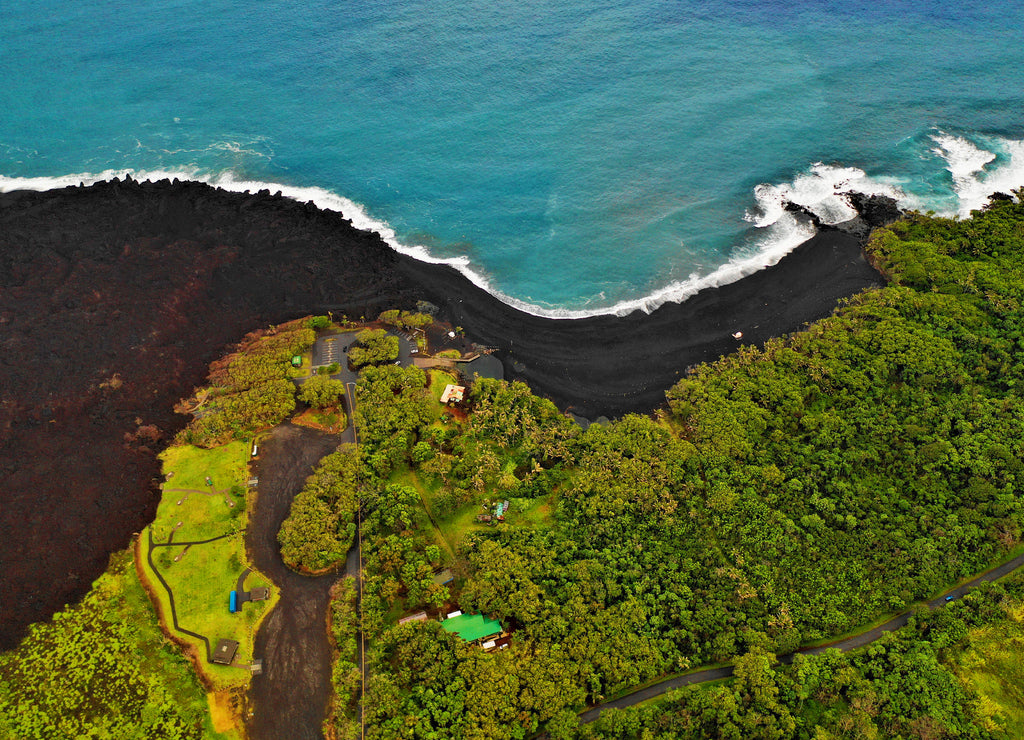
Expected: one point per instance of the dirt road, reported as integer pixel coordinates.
(290, 698)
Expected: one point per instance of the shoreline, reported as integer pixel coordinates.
(115, 297)
(611, 365)
(733, 269)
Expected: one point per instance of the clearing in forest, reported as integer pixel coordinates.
(204, 500)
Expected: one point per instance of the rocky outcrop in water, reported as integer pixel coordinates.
(873, 211)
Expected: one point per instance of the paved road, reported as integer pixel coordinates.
(333, 347)
(290, 697)
(354, 568)
(850, 643)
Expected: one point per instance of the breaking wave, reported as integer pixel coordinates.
(976, 173)
(968, 164)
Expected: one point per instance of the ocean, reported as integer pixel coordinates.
(572, 158)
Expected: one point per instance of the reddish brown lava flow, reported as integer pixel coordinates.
(114, 298)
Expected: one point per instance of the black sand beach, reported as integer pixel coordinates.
(114, 298)
(610, 365)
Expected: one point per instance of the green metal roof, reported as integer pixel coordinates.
(472, 626)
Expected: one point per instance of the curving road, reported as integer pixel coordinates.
(850, 643)
(289, 699)
(170, 594)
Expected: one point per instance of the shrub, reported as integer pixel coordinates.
(250, 389)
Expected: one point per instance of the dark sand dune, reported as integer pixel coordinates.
(114, 298)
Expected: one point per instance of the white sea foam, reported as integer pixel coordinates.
(818, 189)
(973, 179)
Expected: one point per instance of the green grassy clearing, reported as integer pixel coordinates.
(438, 380)
(992, 666)
(204, 575)
(453, 528)
(523, 512)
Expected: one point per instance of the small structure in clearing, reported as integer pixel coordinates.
(224, 653)
(418, 617)
(472, 627)
(443, 577)
(453, 393)
(260, 593)
(500, 509)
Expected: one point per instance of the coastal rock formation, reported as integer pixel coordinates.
(873, 211)
(115, 297)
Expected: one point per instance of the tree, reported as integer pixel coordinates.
(250, 389)
(320, 526)
(373, 347)
(321, 391)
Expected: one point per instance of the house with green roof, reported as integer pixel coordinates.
(472, 627)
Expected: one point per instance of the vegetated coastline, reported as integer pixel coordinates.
(115, 297)
(787, 495)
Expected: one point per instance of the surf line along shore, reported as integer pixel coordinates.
(612, 365)
(115, 297)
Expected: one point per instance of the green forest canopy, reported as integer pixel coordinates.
(790, 493)
(249, 389)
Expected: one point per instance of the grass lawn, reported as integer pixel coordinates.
(453, 528)
(523, 512)
(993, 667)
(202, 576)
(438, 380)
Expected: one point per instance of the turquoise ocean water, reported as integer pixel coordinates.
(572, 157)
